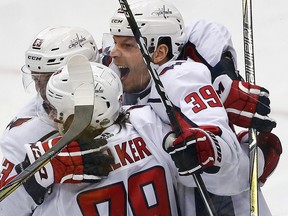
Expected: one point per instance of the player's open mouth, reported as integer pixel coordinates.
(124, 71)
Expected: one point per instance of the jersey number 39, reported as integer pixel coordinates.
(206, 97)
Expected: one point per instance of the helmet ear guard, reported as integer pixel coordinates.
(107, 92)
(156, 19)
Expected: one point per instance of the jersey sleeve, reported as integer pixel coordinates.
(211, 40)
(18, 202)
(27, 127)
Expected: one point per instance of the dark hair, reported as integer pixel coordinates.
(168, 43)
(91, 132)
(122, 118)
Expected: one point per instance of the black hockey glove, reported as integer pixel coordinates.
(195, 150)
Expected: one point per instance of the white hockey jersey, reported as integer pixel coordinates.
(211, 40)
(144, 126)
(29, 125)
(143, 179)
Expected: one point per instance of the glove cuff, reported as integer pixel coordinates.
(216, 147)
(45, 176)
(168, 140)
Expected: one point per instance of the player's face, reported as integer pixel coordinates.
(40, 80)
(128, 58)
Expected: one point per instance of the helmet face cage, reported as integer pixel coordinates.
(108, 95)
(156, 19)
(53, 47)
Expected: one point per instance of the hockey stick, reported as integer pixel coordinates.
(81, 76)
(250, 77)
(165, 100)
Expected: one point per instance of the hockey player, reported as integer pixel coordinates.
(49, 50)
(178, 83)
(247, 105)
(142, 179)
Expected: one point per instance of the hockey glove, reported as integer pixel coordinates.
(248, 106)
(271, 147)
(195, 150)
(78, 162)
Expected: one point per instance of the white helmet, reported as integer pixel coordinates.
(52, 48)
(155, 19)
(108, 95)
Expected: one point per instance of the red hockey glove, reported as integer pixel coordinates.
(78, 162)
(195, 150)
(248, 106)
(271, 147)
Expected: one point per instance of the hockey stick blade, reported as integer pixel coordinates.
(81, 75)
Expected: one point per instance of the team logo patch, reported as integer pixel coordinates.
(77, 41)
(37, 43)
(17, 122)
(162, 12)
(98, 88)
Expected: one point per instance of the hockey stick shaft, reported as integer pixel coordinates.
(71, 134)
(84, 107)
(165, 100)
(250, 77)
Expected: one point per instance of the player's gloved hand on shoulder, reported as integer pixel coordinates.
(271, 147)
(195, 150)
(248, 106)
(78, 162)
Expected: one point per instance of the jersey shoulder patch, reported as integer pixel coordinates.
(17, 122)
